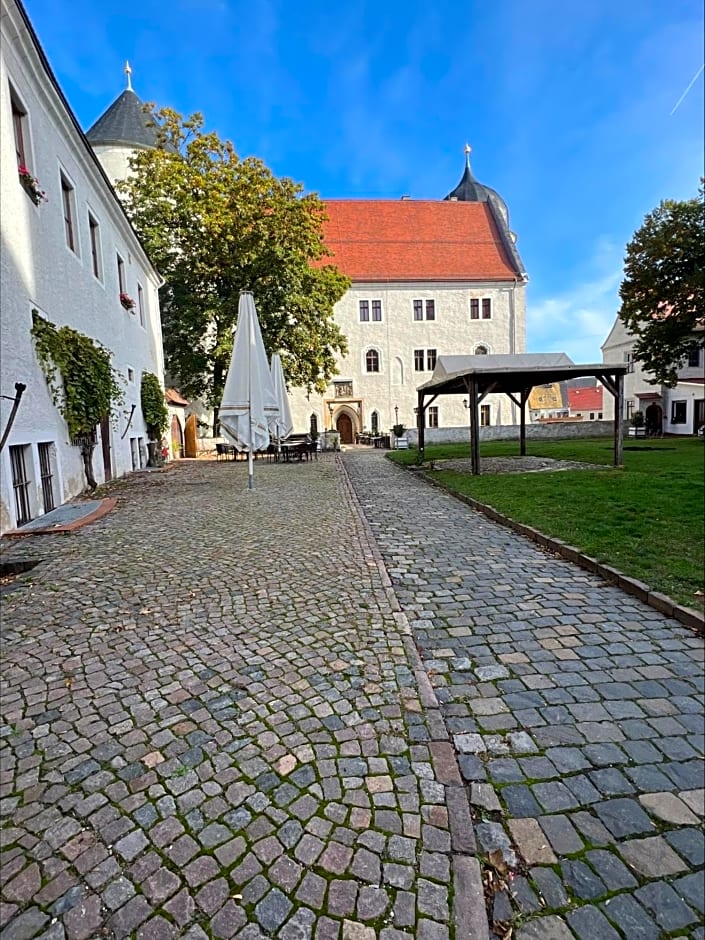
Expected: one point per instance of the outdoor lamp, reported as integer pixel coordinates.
(331, 406)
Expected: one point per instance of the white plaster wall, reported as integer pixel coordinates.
(115, 160)
(398, 335)
(39, 271)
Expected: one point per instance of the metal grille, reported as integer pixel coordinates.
(20, 484)
(46, 475)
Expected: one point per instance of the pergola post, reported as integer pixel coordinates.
(420, 425)
(525, 392)
(618, 423)
(474, 429)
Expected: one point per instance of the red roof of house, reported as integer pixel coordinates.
(585, 399)
(410, 240)
(174, 398)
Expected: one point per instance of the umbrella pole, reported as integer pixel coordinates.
(250, 460)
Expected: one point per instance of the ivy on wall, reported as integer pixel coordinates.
(156, 415)
(83, 384)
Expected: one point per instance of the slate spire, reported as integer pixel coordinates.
(125, 122)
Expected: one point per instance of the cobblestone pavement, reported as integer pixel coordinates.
(576, 712)
(215, 724)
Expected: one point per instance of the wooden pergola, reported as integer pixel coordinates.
(514, 376)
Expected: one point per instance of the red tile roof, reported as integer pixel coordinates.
(174, 398)
(410, 240)
(585, 399)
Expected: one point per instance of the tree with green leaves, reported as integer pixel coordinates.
(214, 225)
(663, 291)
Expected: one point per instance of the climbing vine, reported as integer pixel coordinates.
(86, 388)
(156, 415)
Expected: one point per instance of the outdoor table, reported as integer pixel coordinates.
(295, 449)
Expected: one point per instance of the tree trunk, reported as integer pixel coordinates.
(218, 374)
(87, 448)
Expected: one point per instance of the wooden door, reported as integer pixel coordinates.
(345, 429)
(105, 446)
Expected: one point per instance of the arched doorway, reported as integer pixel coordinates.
(345, 428)
(653, 419)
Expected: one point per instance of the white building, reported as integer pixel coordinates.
(678, 410)
(69, 257)
(429, 278)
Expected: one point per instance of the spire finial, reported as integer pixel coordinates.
(128, 72)
(468, 151)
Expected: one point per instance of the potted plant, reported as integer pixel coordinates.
(31, 185)
(127, 301)
(399, 430)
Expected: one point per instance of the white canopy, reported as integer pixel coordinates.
(249, 399)
(281, 425)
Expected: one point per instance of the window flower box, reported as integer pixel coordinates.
(127, 301)
(31, 185)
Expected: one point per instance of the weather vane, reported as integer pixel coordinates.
(128, 72)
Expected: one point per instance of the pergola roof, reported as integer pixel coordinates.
(509, 373)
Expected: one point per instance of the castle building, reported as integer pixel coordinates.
(429, 278)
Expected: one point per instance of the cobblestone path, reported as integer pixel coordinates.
(215, 724)
(576, 712)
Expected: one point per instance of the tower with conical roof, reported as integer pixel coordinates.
(122, 129)
(470, 190)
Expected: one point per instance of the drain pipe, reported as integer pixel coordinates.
(19, 391)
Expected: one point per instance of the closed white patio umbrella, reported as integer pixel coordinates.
(249, 400)
(281, 425)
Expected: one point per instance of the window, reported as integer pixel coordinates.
(140, 304)
(419, 309)
(121, 275)
(364, 311)
(419, 360)
(20, 483)
(629, 360)
(432, 412)
(313, 425)
(94, 231)
(599, 416)
(67, 203)
(374, 422)
(679, 412)
(19, 126)
(45, 471)
(481, 351)
(694, 356)
(592, 415)
(134, 453)
(486, 308)
(630, 407)
(484, 416)
(431, 359)
(130, 374)
(372, 360)
(377, 311)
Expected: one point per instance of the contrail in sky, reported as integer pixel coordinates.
(694, 80)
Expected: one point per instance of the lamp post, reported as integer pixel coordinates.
(396, 414)
(331, 406)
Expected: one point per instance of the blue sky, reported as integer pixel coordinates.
(567, 107)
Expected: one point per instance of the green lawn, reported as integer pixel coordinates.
(646, 520)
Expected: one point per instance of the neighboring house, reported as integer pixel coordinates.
(70, 258)
(548, 402)
(586, 402)
(678, 410)
(429, 278)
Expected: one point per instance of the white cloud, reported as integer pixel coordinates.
(577, 320)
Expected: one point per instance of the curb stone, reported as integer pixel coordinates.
(469, 908)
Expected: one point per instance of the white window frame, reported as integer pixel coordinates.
(481, 302)
(482, 346)
(96, 246)
(427, 303)
(485, 416)
(433, 416)
(365, 353)
(67, 188)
